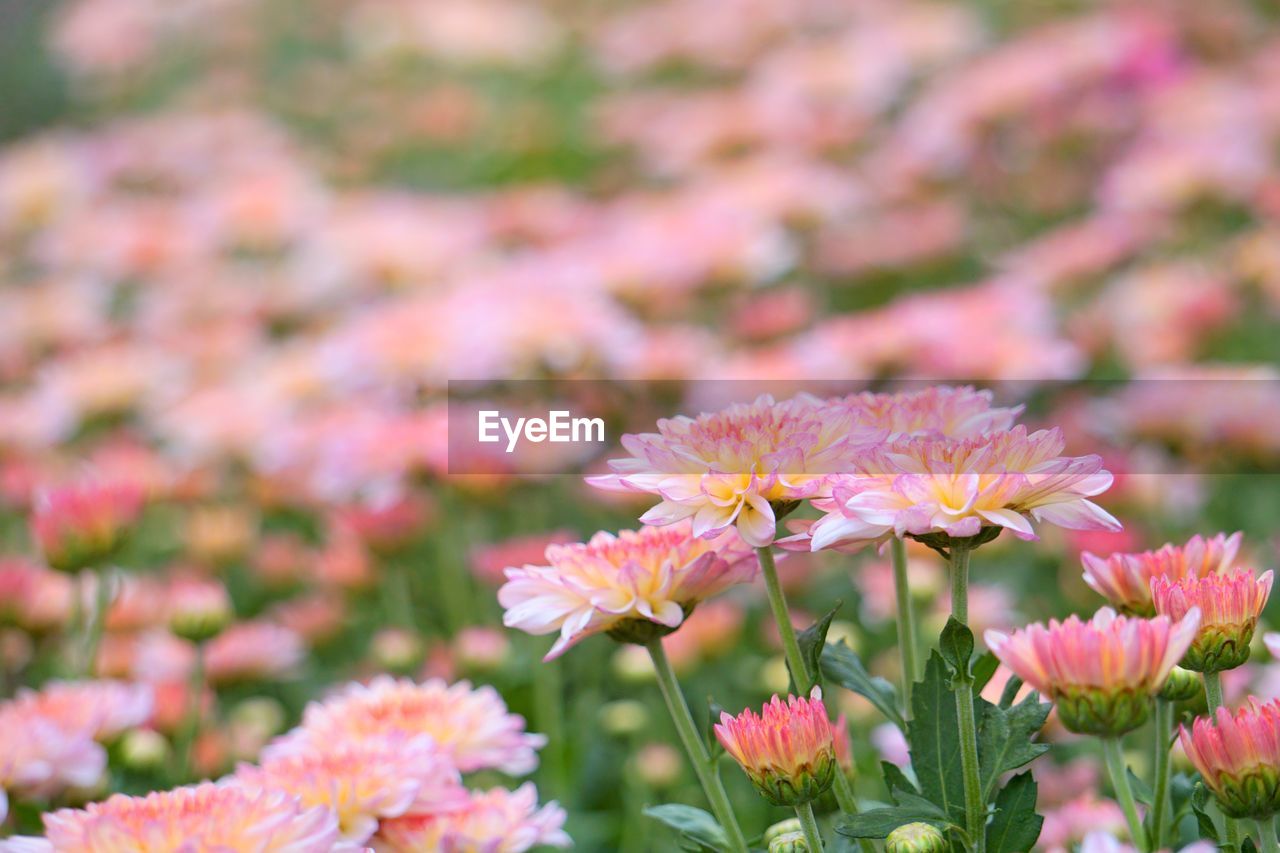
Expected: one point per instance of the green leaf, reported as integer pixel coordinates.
(842, 665)
(878, 823)
(1005, 737)
(1010, 692)
(1205, 823)
(1141, 790)
(813, 640)
(693, 825)
(895, 780)
(1015, 826)
(931, 734)
(956, 645)
(983, 669)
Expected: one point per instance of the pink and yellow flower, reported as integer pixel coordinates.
(101, 709)
(494, 821)
(939, 411)
(82, 525)
(788, 750)
(201, 817)
(468, 725)
(637, 585)
(1229, 604)
(362, 781)
(1125, 579)
(740, 467)
(961, 488)
(1238, 756)
(253, 651)
(1101, 674)
(197, 608)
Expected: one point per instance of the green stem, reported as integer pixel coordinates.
(190, 730)
(804, 680)
(96, 621)
(1267, 830)
(812, 837)
(548, 692)
(696, 749)
(1213, 695)
(906, 620)
(974, 802)
(1114, 755)
(1160, 804)
(848, 803)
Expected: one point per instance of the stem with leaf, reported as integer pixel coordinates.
(694, 746)
(1213, 695)
(95, 620)
(1160, 801)
(906, 620)
(1114, 755)
(809, 825)
(974, 802)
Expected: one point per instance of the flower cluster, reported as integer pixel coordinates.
(379, 765)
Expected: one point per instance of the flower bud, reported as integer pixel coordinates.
(144, 749)
(396, 649)
(916, 838)
(1229, 603)
(624, 717)
(1183, 684)
(788, 750)
(198, 609)
(83, 526)
(1238, 757)
(784, 827)
(789, 842)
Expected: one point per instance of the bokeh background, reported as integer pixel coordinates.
(244, 244)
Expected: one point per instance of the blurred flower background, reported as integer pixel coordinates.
(245, 244)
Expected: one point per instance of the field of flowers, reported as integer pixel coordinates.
(937, 346)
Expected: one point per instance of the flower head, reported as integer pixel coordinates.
(253, 651)
(940, 411)
(201, 817)
(961, 488)
(470, 726)
(916, 838)
(637, 585)
(742, 466)
(1101, 674)
(197, 609)
(1229, 605)
(788, 750)
(494, 821)
(361, 781)
(101, 709)
(1238, 756)
(1125, 579)
(83, 525)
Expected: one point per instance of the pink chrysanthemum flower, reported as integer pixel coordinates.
(1238, 756)
(362, 781)
(253, 651)
(1125, 579)
(940, 411)
(1101, 674)
(637, 585)
(742, 466)
(961, 488)
(494, 821)
(83, 525)
(470, 726)
(201, 817)
(1229, 604)
(40, 758)
(197, 608)
(788, 750)
(101, 709)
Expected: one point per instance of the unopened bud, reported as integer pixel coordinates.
(1183, 684)
(916, 838)
(791, 824)
(624, 717)
(144, 749)
(789, 842)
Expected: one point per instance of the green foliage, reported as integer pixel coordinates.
(841, 665)
(1005, 743)
(697, 829)
(812, 641)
